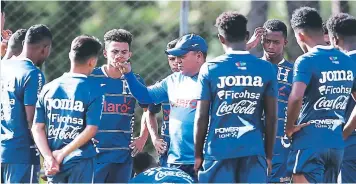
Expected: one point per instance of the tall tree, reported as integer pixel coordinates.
(338, 6)
(293, 50)
(257, 16)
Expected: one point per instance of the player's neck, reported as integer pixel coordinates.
(79, 70)
(239, 46)
(112, 72)
(314, 42)
(274, 60)
(349, 47)
(30, 54)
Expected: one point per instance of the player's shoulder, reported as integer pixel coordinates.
(97, 72)
(352, 55)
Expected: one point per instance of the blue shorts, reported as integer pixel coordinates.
(188, 168)
(163, 160)
(348, 168)
(113, 172)
(250, 169)
(317, 165)
(78, 172)
(279, 172)
(19, 173)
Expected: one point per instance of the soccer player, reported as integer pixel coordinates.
(68, 113)
(235, 89)
(21, 82)
(179, 89)
(326, 34)
(148, 171)
(114, 161)
(274, 43)
(342, 30)
(14, 46)
(323, 80)
(161, 143)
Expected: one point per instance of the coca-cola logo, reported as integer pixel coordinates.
(162, 174)
(324, 104)
(65, 133)
(241, 107)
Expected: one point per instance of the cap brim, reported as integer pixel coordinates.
(176, 52)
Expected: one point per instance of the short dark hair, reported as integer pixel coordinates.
(325, 29)
(16, 39)
(143, 161)
(37, 33)
(276, 25)
(118, 35)
(342, 25)
(3, 4)
(307, 18)
(85, 47)
(172, 44)
(232, 25)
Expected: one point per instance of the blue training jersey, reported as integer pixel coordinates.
(236, 84)
(351, 140)
(67, 105)
(21, 82)
(115, 131)
(162, 175)
(179, 90)
(329, 75)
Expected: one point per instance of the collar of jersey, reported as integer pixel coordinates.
(283, 60)
(23, 59)
(237, 52)
(325, 47)
(351, 52)
(69, 74)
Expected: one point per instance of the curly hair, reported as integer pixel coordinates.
(232, 25)
(118, 35)
(276, 25)
(342, 25)
(306, 18)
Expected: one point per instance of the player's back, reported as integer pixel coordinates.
(20, 83)
(238, 82)
(329, 74)
(162, 175)
(66, 101)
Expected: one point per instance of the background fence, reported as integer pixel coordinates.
(153, 24)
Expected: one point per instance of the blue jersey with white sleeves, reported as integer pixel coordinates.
(236, 84)
(329, 75)
(21, 81)
(179, 90)
(116, 128)
(67, 105)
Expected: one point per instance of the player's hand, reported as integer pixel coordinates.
(137, 145)
(197, 164)
(51, 166)
(122, 64)
(58, 155)
(256, 38)
(289, 132)
(160, 145)
(269, 166)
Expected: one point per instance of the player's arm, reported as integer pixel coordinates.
(32, 87)
(92, 119)
(255, 38)
(270, 109)
(351, 124)
(152, 126)
(155, 94)
(139, 142)
(201, 120)
(40, 138)
(302, 76)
